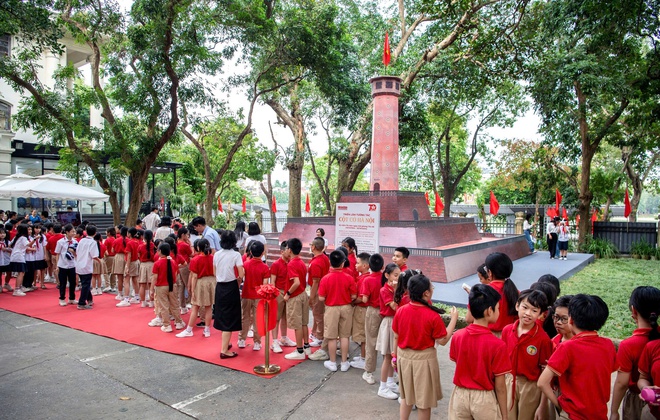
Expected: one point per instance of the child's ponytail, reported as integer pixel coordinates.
(511, 295)
(646, 301)
(148, 240)
(417, 285)
(500, 267)
(164, 249)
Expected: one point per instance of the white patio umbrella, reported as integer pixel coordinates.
(14, 179)
(51, 186)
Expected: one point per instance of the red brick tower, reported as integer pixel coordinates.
(385, 133)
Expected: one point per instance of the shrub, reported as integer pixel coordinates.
(601, 248)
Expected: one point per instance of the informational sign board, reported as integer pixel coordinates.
(360, 221)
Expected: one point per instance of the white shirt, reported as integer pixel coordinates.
(88, 249)
(552, 228)
(163, 232)
(151, 221)
(61, 248)
(212, 236)
(40, 246)
(224, 262)
(18, 252)
(527, 225)
(562, 233)
(5, 256)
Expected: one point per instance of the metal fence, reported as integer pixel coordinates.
(624, 234)
(266, 225)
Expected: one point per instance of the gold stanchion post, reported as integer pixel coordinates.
(267, 368)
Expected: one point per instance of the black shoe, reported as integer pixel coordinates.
(201, 324)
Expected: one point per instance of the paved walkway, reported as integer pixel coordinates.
(525, 272)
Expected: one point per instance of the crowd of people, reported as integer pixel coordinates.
(530, 354)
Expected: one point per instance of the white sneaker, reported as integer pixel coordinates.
(62, 302)
(184, 311)
(276, 347)
(318, 355)
(315, 342)
(156, 322)
(256, 346)
(93, 292)
(166, 328)
(150, 303)
(345, 366)
(185, 333)
(207, 332)
(119, 297)
(387, 393)
(369, 378)
(143, 304)
(241, 344)
(331, 366)
(19, 292)
(73, 302)
(189, 306)
(134, 300)
(107, 289)
(77, 288)
(357, 364)
(392, 386)
(308, 351)
(250, 333)
(287, 342)
(294, 355)
(180, 325)
(123, 304)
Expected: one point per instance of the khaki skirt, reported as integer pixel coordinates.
(419, 377)
(204, 294)
(133, 269)
(145, 272)
(99, 267)
(385, 340)
(119, 264)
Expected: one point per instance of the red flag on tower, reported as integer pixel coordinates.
(386, 50)
(220, 205)
(426, 196)
(274, 207)
(627, 209)
(308, 206)
(558, 198)
(244, 205)
(494, 205)
(439, 206)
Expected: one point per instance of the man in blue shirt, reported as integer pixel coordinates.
(199, 223)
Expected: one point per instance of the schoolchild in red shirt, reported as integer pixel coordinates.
(319, 266)
(297, 302)
(360, 310)
(123, 282)
(202, 287)
(51, 242)
(338, 290)
(369, 293)
(400, 257)
(163, 279)
(385, 343)
(584, 363)
(184, 249)
(529, 348)
(147, 255)
(256, 274)
(649, 375)
(417, 329)
(109, 260)
(278, 277)
(351, 247)
(481, 362)
(644, 304)
(132, 267)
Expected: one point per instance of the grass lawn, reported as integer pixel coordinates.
(614, 280)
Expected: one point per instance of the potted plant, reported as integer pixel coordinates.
(637, 249)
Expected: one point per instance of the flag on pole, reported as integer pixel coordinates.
(220, 205)
(308, 206)
(426, 196)
(494, 205)
(627, 209)
(558, 198)
(244, 205)
(274, 207)
(564, 213)
(439, 206)
(551, 212)
(386, 50)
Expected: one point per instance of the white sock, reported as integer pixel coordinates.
(383, 385)
(390, 380)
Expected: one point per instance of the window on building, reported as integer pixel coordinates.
(5, 45)
(5, 116)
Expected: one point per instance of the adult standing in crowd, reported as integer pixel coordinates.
(199, 224)
(164, 229)
(227, 310)
(528, 225)
(254, 234)
(152, 220)
(552, 237)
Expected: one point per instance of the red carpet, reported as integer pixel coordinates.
(130, 325)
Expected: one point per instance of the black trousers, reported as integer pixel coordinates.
(552, 244)
(67, 275)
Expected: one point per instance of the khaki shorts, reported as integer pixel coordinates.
(357, 331)
(281, 305)
(145, 272)
(468, 404)
(527, 397)
(297, 311)
(109, 262)
(337, 321)
(133, 269)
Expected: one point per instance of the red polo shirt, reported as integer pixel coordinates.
(119, 245)
(278, 269)
(418, 327)
(142, 253)
(649, 364)
(110, 245)
(319, 266)
(627, 357)
(337, 288)
(370, 288)
(529, 352)
(130, 253)
(185, 250)
(160, 269)
(479, 357)
(386, 296)
(296, 268)
(584, 365)
(359, 283)
(255, 273)
(52, 241)
(504, 319)
(202, 265)
(351, 265)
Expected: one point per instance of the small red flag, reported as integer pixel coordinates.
(494, 205)
(627, 209)
(558, 198)
(308, 206)
(564, 213)
(594, 216)
(274, 207)
(439, 206)
(244, 205)
(220, 205)
(426, 196)
(551, 212)
(387, 55)
(577, 219)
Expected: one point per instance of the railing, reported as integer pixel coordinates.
(624, 234)
(266, 225)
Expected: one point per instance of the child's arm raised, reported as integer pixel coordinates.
(450, 327)
(500, 392)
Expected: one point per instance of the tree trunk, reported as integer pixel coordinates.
(135, 202)
(606, 212)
